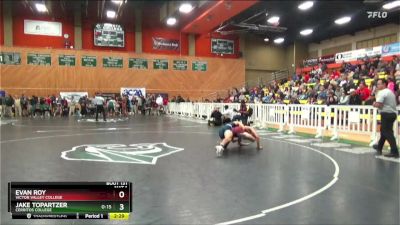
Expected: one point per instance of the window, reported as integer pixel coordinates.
(384, 40)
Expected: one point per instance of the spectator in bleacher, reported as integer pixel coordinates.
(372, 73)
(268, 99)
(397, 74)
(391, 84)
(375, 61)
(306, 78)
(381, 66)
(331, 87)
(322, 95)
(294, 76)
(350, 85)
(386, 103)
(294, 100)
(335, 75)
(344, 97)
(356, 73)
(354, 98)
(364, 71)
(312, 100)
(332, 99)
(363, 91)
(323, 66)
(343, 80)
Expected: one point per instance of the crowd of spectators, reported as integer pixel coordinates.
(34, 106)
(352, 84)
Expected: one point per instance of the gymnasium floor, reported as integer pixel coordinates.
(294, 180)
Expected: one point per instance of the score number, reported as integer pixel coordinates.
(121, 194)
(120, 216)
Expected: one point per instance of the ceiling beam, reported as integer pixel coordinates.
(220, 12)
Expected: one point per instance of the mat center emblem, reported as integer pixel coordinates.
(141, 153)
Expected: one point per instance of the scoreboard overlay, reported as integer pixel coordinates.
(70, 200)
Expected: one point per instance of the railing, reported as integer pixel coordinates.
(321, 120)
(280, 75)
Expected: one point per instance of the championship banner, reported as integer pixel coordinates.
(130, 92)
(165, 44)
(73, 96)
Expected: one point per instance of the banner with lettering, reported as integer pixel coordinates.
(132, 91)
(165, 44)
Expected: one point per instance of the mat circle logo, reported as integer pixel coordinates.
(141, 153)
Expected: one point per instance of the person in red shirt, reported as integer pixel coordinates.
(306, 77)
(363, 91)
(335, 75)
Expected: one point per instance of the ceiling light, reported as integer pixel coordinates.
(306, 32)
(266, 39)
(274, 19)
(117, 1)
(306, 5)
(343, 20)
(171, 21)
(185, 8)
(279, 40)
(391, 5)
(41, 7)
(110, 14)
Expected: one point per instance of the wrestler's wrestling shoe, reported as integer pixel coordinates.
(219, 150)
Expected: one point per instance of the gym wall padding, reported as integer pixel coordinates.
(221, 75)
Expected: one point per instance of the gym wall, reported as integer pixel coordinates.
(221, 75)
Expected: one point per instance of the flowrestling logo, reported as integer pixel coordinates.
(141, 153)
(376, 14)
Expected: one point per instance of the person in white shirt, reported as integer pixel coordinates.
(17, 107)
(159, 102)
(228, 114)
(99, 102)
